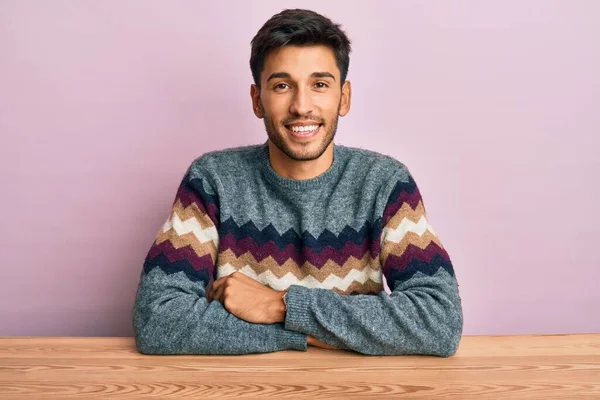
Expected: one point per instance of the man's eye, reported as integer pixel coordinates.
(281, 86)
(321, 85)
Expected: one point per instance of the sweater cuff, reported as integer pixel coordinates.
(292, 340)
(298, 316)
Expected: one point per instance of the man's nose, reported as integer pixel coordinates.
(302, 103)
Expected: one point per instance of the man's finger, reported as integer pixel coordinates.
(218, 293)
(214, 288)
(216, 284)
(208, 291)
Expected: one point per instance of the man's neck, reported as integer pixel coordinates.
(299, 170)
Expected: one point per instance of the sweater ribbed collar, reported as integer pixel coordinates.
(326, 177)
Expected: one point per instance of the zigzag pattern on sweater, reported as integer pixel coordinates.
(193, 241)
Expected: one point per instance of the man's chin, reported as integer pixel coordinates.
(309, 152)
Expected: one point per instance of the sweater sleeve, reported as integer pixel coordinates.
(171, 313)
(423, 313)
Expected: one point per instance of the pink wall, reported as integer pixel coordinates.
(494, 106)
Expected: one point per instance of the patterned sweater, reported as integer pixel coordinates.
(330, 240)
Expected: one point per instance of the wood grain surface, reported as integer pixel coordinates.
(485, 367)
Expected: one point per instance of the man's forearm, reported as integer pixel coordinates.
(172, 316)
(422, 316)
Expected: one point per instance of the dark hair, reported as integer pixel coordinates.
(299, 28)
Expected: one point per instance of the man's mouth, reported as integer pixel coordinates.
(303, 130)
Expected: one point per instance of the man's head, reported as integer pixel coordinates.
(299, 63)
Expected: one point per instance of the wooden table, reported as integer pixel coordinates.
(485, 367)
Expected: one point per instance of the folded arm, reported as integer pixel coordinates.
(172, 316)
(171, 313)
(422, 315)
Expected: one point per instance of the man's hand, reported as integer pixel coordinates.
(311, 341)
(248, 299)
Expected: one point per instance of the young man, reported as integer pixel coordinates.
(284, 245)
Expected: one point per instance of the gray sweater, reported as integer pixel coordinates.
(330, 241)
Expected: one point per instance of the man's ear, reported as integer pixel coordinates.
(255, 95)
(346, 100)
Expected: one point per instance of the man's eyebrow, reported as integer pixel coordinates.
(286, 75)
(323, 75)
(276, 75)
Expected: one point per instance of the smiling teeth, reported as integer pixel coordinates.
(304, 129)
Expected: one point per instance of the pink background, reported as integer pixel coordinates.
(494, 107)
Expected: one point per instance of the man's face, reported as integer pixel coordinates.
(300, 100)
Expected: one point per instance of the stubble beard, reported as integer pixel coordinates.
(278, 138)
